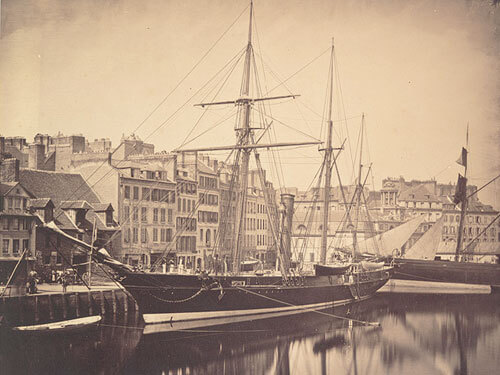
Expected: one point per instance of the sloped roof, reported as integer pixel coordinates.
(101, 207)
(40, 202)
(75, 205)
(417, 193)
(57, 186)
(5, 187)
(100, 224)
(203, 168)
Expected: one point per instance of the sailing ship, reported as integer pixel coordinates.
(419, 265)
(193, 300)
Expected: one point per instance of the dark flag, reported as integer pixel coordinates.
(461, 190)
(462, 160)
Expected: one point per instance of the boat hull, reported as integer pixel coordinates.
(225, 299)
(65, 326)
(321, 270)
(447, 271)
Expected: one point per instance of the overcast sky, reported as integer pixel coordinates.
(420, 70)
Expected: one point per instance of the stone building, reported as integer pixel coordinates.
(17, 223)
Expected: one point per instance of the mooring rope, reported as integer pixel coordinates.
(309, 309)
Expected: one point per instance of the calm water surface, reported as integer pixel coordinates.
(417, 334)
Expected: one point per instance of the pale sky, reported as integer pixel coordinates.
(420, 71)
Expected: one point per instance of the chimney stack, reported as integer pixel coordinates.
(9, 170)
(36, 156)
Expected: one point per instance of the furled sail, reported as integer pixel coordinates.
(393, 239)
(427, 245)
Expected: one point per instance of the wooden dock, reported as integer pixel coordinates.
(51, 305)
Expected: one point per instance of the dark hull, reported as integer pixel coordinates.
(158, 293)
(447, 271)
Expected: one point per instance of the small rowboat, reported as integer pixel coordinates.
(371, 266)
(61, 326)
(332, 269)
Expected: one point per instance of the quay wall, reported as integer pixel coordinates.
(43, 308)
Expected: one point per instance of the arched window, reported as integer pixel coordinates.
(207, 237)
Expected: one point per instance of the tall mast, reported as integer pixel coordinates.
(358, 191)
(463, 205)
(243, 134)
(328, 167)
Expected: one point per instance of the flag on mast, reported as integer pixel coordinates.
(461, 190)
(462, 160)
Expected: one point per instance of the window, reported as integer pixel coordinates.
(201, 234)
(15, 223)
(9, 201)
(169, 235)
(5, 247)
(162, 235)
(170, 216)
(162, 215)
(189, 205)
(136, 214)
(127, 192)
(155, 234)
(135, 238)
(5, 223)
(15, 247)
(183, 205)
(144, 235)
(155, 195)
(136, 192)
(126, 213)
(144, 214)
(145, 194)
(179, 205)
(155, 215)
(26, 244)
(126, 235)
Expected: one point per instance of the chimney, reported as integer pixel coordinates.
(36, 156)
(9, 170)
(287, 200)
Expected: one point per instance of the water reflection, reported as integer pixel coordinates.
(417, 334)
(101, 350)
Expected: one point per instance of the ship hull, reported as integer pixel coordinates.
(195, 301)
(439, 271)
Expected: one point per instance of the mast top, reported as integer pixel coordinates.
(250, 24)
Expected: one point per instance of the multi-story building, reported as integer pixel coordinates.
(147, 204)
(186, 219)
(43, 197)
(208, 207)
(17, 223)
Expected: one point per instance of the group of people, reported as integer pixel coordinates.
(64, 278)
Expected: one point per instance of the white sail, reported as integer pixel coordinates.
(385, 243)
(427, 245)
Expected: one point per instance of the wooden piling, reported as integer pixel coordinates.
(89, 298)
(103, 307)
(37, 315)
(64, 305)
(77, 304)
(51, 307)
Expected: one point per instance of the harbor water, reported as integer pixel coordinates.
(388, 334)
